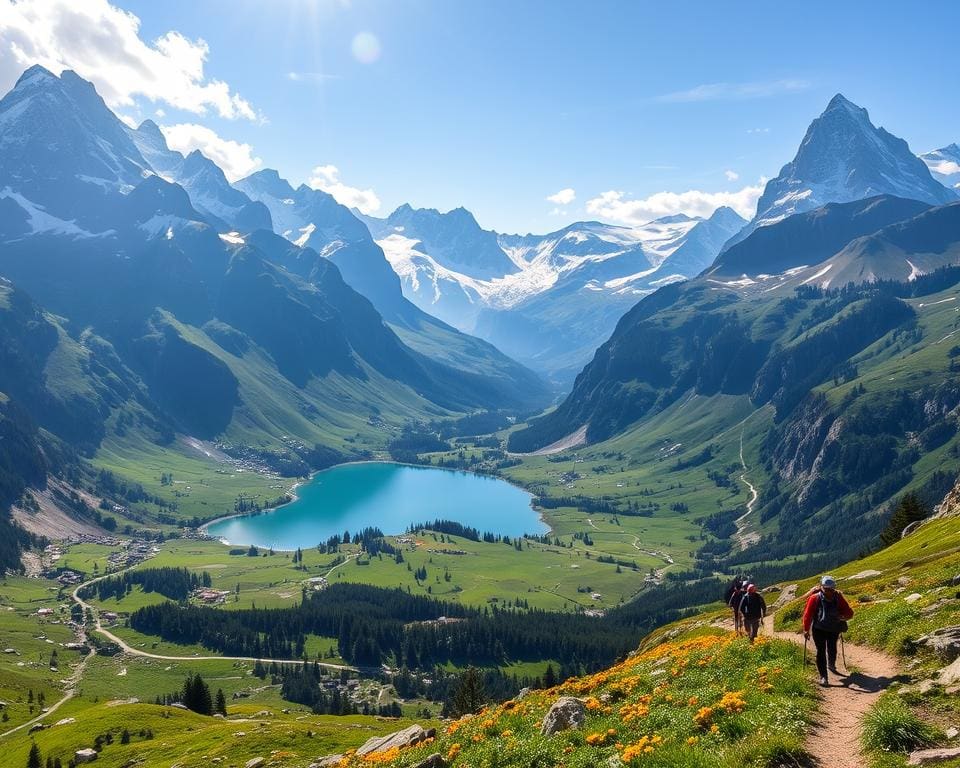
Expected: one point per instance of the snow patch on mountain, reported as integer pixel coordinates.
(944, 164)
(39, 221)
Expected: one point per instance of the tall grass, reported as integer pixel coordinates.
(890, 726)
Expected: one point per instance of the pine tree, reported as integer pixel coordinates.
(549, 677)
(125, 737)
(34, 759)
(469, 695)
(221, 705)
(196, 695)
(909, 509)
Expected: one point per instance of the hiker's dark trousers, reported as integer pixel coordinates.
(826, 643)
(752, 626)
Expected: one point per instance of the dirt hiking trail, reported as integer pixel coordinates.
(835, 741)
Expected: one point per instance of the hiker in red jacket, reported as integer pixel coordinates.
(826, 614)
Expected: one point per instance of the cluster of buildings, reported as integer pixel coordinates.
(69, 578)
(209, 596)
(131, 552)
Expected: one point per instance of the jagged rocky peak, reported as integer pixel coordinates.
(844, 157)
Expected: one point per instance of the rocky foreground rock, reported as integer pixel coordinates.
(408, 737)
(945, 642)
(567, 713)
(933, 756)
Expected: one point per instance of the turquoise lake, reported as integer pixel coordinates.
(389, 496)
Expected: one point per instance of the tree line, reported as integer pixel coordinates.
(374, 625)
(174, 583)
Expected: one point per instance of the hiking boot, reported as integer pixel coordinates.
(824, 682)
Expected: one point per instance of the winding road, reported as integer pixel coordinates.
(128, 649)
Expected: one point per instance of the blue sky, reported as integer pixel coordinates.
(497, 105)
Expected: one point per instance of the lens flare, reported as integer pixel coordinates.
(366, 47)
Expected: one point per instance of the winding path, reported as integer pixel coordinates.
(68, 694)
(745, 537)
(835, 739)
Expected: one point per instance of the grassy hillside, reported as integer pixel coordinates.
(848, 405)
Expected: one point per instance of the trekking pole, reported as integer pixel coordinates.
(804, 650)
(843, 653)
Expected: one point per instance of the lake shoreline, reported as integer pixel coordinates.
(294, 489)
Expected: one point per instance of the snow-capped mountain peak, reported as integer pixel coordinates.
(449, 267)
(454, 239)
(844, 157)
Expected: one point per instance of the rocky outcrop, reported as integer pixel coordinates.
(868, 574)
(567, 713)
(327, 762)
(408, 737)
(84, 756)
(945, 642)
(255, 762)
(950, 506)
(950, 674)
(433, 761)
(788, 594)
(933, 756)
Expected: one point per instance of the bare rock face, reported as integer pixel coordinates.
(84, 756)
(945, 642)
(256, 762)
(933, 756)
(567, 713)
(408, 737)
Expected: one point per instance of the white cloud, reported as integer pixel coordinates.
(758, 130)
(102, 43)
(735, 91)
(614, 206)
(563, 197)
(235, 159)
(557, 212)
(731, 175)
(327, 178)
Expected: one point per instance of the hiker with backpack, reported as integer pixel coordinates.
(732, 597)
(825, 616)
(753, 608)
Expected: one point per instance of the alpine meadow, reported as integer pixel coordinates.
(479, 384)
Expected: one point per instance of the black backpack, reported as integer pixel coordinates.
(828, 615)
(751, 606)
